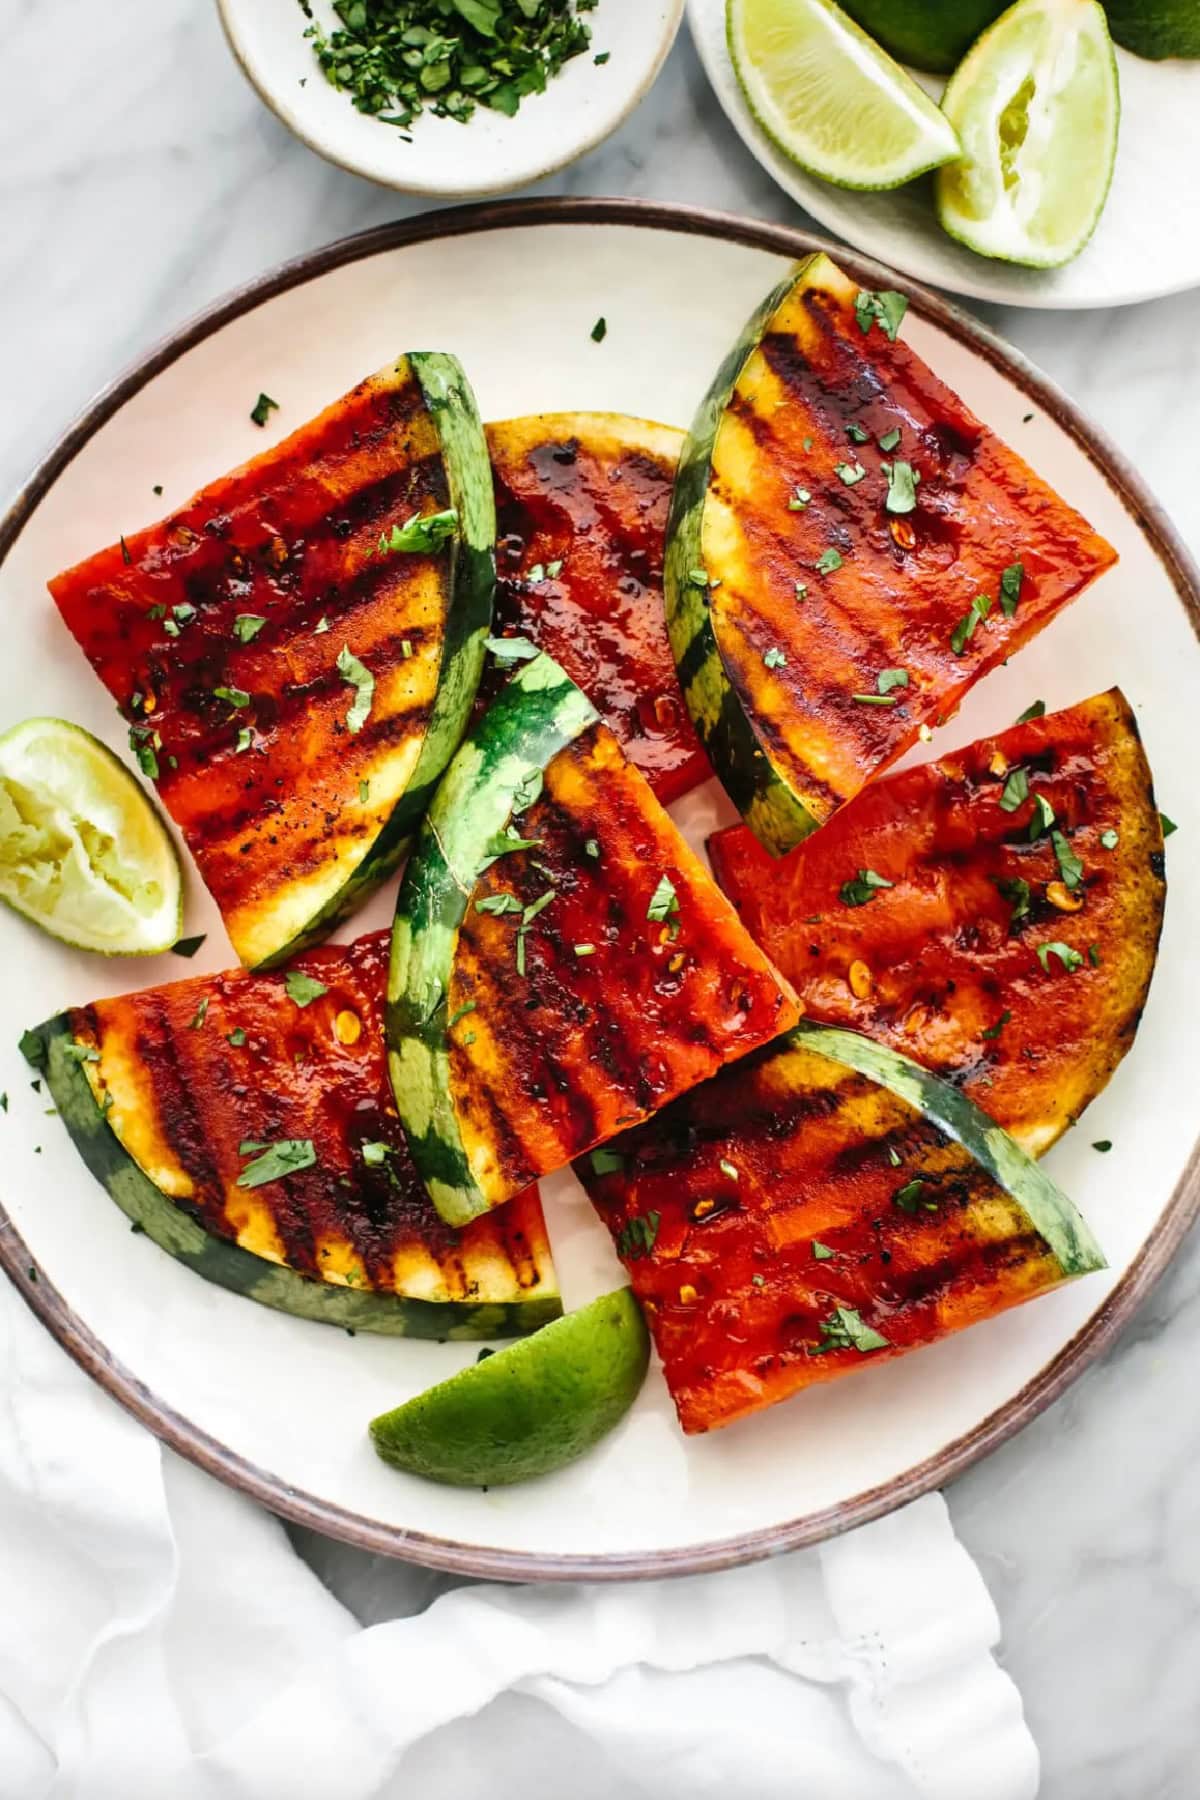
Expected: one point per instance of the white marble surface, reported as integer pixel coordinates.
(141, 178)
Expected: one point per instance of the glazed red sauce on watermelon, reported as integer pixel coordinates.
(580, 532)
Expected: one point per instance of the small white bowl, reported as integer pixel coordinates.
(490, 154)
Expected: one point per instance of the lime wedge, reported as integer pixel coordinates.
(530, 1408)
(830, 97)
(1036, 105)
(83, 853)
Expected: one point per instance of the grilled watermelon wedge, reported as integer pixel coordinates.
(1009, 950)
(581, 507)
(849, 551)
(245, 1123)
(818, 1207)
(562, 963)
(295, 658)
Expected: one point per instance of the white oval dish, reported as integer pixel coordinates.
(1147, 242)
(490, 154)
(278, 1407)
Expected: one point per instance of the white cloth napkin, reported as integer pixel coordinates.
(161, 1640)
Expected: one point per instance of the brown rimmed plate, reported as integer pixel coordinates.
(277, 1407)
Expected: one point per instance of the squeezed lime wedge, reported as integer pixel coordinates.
(83, 852)
(528, 1409)
(830, 97)
(1036, 105)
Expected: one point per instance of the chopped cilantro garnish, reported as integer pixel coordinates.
(774, 658)
(821, 1252)
(142, 745)
(800, 498)
(527, 791)
(1109, 839)
(591, 847)
(888, 679)
(890, 439)
(1036, 711)
(887, 307)
(664, 902)
(1010, 588)
(262, 409)
(236, 1037)
(1094, 955)
(125, 556)
(865, 885)
(420, 535)
(801, 590)
(503, 843)
(902, 488)
(600, 330)
(198, 1017)
(539, 905)
(637, 1237)
(188, 946)
(364, 792)
(964, 631)
(993, 1031)
(911, 1197)
(1016, 790)
(850, 473)
(498, 904)
(828, 561)
(1043, 816)
(81, 1053)
(303, 989)
(245, 738)
(1069, 865)
(1168, 825)
(1104, 1145)
(277, 1160)
(857, 435)
(1018, 894)
(845, 1329)
(247, 626)
(360, 678)
(237, 697)
(607, 1162)
(1070, 959)
(375, 1154)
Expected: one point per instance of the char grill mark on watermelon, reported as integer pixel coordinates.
(266, 788)
(753, 1208)
(945, 960)
(774, 679)
(197, 1099)
(580, 1043)
(591, 491)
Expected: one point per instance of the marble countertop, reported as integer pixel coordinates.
(141, 178)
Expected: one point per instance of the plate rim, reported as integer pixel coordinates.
(1097, 1333)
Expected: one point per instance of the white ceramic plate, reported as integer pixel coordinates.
(279, 1406)
(490, 154)
(1146, 244)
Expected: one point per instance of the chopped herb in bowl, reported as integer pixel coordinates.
(395, 58)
